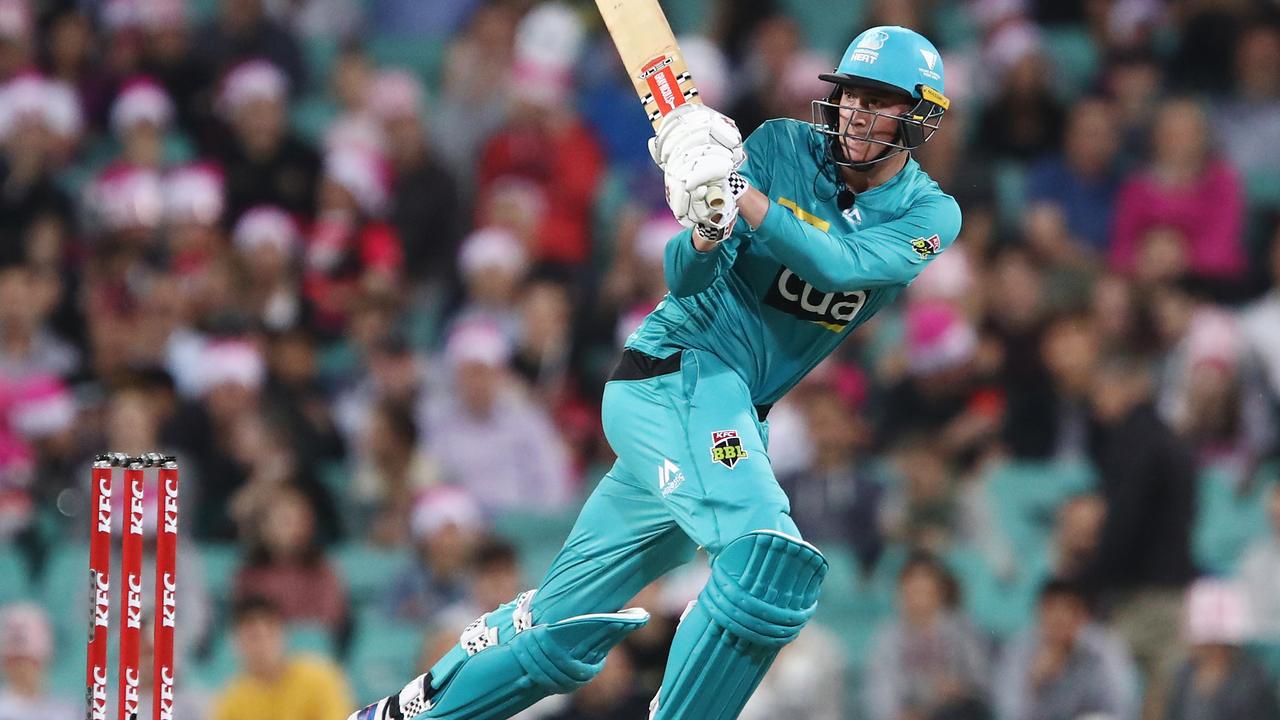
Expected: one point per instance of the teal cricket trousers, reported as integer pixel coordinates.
(692, 471)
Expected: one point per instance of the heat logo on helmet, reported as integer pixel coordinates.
(726, 448)
(865, 51)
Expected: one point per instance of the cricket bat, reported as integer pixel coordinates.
(651, 57)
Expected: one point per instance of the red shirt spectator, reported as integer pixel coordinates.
(1185, 190)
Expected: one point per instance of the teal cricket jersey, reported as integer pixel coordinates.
(774, 301)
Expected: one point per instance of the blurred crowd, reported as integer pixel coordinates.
(363, 266)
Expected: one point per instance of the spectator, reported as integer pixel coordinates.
(1185, 188)
(244, 31)
(1147, 477)
(942, 396)
(26, 649)
(140, 117)
(271, 683)
(350, 248)
(287, 564)
(1080, 183)
(837, 498)
(264, 162)
(490, 438)
(311, 19)
(492, 264)
(1250, 121)
(1023, 121)
(16, 35)
(1259, 574)
(32, 154)
(187, 703)
(1259, 320)
(268, 246)
(1076, 536)
(805, 682)
(930, 662)
(171, 54)
(194, 206)
(1065, 666)
(426, 204)
(1220, 680)
(447, 526)
(27, 345)
(391, 470)
(544, 142)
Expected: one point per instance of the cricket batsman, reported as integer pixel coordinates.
(794, 238)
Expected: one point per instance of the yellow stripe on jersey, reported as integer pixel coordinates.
(813, 220)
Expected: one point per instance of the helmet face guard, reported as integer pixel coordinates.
(915, 126)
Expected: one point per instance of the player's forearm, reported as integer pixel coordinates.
(753, 205)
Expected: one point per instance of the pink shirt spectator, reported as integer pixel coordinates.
(1208, 212)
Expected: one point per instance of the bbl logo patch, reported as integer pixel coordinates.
(925, 247)
(726, 448)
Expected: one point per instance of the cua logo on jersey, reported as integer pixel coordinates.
(726, 448)
(925, 247)
(793, 296)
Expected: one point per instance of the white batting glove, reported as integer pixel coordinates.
(693, 179)
(692, 125)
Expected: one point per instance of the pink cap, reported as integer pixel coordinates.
(25, 633)
(477, 342)
(396, 94)
(938, 338)
(42, 406)
(1217, 612)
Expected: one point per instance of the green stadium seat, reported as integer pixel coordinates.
(220, 562)
(829, 24)
(312, 639)
(222, 663)
(15, 577)
(424, 59)
(1227, 521)
(1074, 58)
(1025, 497)
(686, 16)
(63, 592)
(383, 656)
(368, 570)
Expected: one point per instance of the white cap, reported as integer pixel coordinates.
(194, 194)
(266, 226)
(62, 108)
(142, 100)
(442, 506)
(250, 81)
(489, 249)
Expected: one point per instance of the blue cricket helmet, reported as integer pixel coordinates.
(889, 58)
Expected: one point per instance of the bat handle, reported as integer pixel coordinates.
(715, 198)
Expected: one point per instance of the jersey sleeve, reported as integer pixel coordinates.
(890, 254)
(689, 272)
